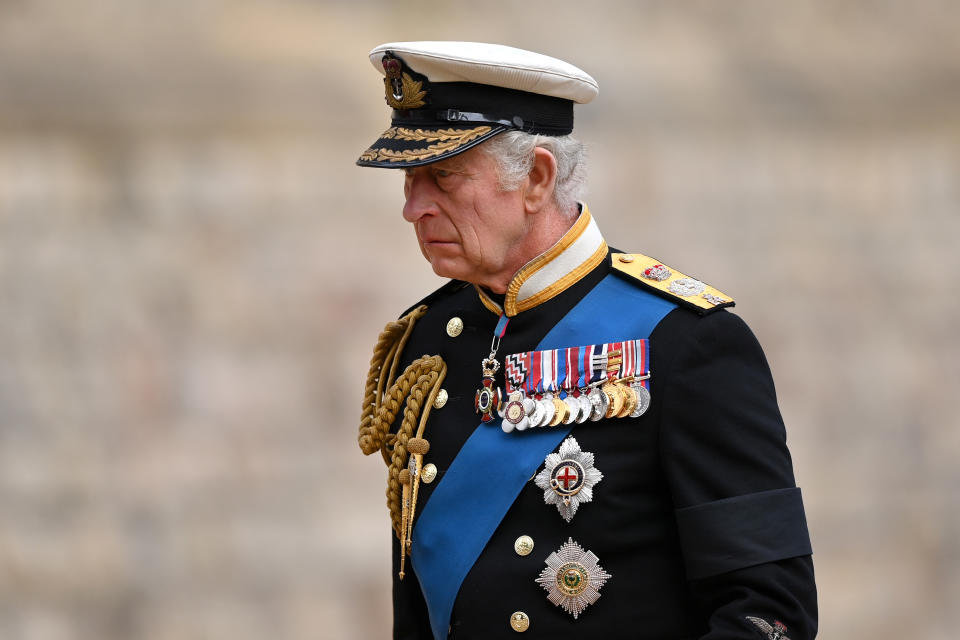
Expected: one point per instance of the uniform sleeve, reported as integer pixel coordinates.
(410, 618)
(739, 515)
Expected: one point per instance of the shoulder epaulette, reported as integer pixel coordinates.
(670, 283)
(449, 287)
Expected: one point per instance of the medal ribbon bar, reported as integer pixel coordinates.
(555, 370)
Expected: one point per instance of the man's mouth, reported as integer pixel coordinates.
(436, 240)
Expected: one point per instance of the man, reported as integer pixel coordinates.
(582, 442)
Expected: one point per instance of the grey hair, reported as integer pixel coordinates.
(513, 153)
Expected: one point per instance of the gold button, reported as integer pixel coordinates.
(454, 326)
(441, 399)
(428, 473)
(523, 545)
(519, 621)
(625, 257)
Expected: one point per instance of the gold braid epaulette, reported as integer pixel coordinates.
(416, 389)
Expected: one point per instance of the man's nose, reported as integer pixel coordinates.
(418, 190)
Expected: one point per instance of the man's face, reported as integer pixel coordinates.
(466, 226)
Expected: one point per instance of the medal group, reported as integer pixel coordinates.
(565, 386)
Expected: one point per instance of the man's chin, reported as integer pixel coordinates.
(446, 270)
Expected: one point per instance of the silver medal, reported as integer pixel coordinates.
(585, 408)
(529, 404)
(568, 477)
(643, 400)
(536, 418)
(599, 404)
(549, 410)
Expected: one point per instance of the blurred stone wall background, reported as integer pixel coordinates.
(192, 275)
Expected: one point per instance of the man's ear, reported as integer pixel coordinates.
(540, 181)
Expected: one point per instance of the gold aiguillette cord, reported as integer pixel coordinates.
(415, 389)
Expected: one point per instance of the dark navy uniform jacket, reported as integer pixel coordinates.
(697, 519)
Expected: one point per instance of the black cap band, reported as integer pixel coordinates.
(466, 102)
(454, 116)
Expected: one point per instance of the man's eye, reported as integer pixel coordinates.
(442, 173)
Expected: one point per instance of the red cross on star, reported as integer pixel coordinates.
(567, 476)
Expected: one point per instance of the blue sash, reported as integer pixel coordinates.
(458, 520)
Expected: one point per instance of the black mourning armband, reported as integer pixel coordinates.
(734, 533)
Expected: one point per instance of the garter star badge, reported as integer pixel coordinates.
(573, 578)
(568, 477)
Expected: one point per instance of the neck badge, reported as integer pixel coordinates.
(488, 399)
(568, 478)
(573, 578)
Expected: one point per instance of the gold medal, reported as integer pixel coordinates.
(613, 396)
(561, 411)
(629, 400)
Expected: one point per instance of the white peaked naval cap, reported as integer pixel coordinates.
(493, 64)
(448, 97)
